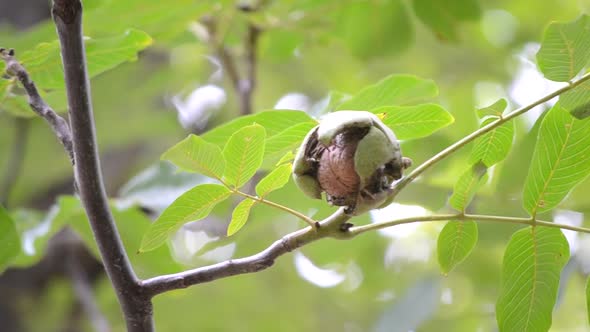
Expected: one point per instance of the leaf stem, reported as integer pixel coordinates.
(297, 214)
(354, 231)
(467, 139)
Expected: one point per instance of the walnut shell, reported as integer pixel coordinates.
(352, 157)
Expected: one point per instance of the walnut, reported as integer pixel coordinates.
(352, 157)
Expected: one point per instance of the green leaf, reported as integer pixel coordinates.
(516, 165)
(443, 17)
(287, 140)
(386, 27)
(560, 161)
(577, 100)
(274, 122)
(162, 20)
(14, 104)
(276, 179)
(410, 122)
(334, 99)
(132, 223)
(5, 86)
(9, 239)
(193, 205)
(565, 49)
(455, 242)
(243, 154)
(240, 216)
(467, 186)
(496, 109)
(17, 106)
(493, 146)
(37, 229)
(280, 44)
(531, 270)
(194, 154)
(45, 67)
(392, 90)
(287, 158)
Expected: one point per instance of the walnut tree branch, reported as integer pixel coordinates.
(137, 307)
(329, 227)
(58, 124)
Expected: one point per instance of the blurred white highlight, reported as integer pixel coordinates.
(530, 85)
(571, 218)
(324, 278)
(293, 101)
(410, 242)
(194, 111)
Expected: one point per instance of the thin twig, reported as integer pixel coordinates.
(16, 158)
(248, 84)
(137, 307)
(223, 53)
(354, 231)
(243, 86)
(38, 105)
(229, 66)
(481, 131)
(262, 200)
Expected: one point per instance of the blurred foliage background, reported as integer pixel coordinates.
(475, 50)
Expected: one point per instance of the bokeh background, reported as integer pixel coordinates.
(382, 281)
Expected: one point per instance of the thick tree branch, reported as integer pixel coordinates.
(137, 308)
(16, 158)
(38, 105)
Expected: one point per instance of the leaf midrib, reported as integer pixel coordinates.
(569, 128)
(570, 53)
(243, 158)
(456, 243)
(534, 278)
